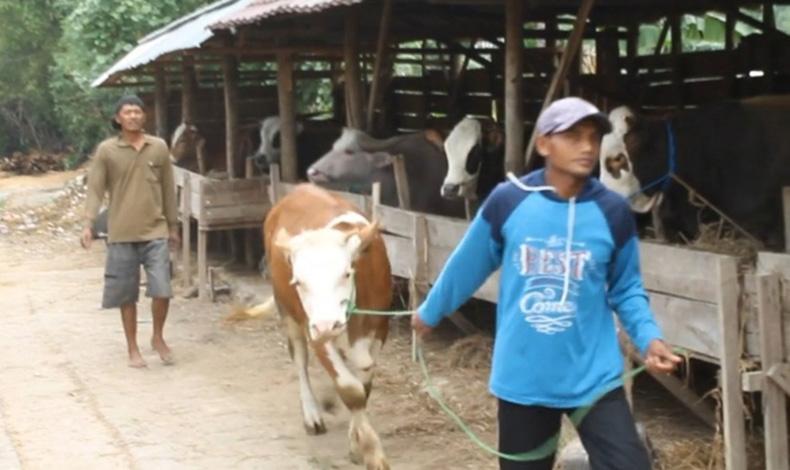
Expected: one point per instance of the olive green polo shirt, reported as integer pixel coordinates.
(140, 186)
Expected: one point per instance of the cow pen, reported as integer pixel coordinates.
(722, 309)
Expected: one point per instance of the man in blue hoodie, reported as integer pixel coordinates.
(568, 252)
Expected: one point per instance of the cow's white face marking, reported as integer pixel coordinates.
(270, 140)
(617, 167)
(322, 267)
(462, 139)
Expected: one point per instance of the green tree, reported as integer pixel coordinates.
(96, 33)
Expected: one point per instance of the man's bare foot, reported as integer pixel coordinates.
(136, 360)
(165, 354)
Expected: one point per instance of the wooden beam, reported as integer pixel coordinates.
(574, 42)
(730, 356)
(231, 94)
(677, 50)
(160, 102)
(188, 90)
(769, 309)
(770, 30)
(186, 233)
(354, 98)
(514, 86)
(382, 57)
(286, 100)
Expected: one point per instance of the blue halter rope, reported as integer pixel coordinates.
(672, 151)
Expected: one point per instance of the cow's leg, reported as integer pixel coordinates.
(365, 445)
(297, 346)
(362, 357)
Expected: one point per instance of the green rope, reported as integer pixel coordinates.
(548, 448)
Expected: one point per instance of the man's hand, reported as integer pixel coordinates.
(174, 239)
(659, 359)
(86, 238)
(419, 326)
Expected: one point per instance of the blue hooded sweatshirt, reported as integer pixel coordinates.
(565, 266)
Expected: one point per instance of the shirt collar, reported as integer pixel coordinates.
(147, 140)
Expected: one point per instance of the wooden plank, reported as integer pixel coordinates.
(514, 86)
(772, 353)
(730, 356)
(360, 201)
(786, 210)
(778, 263)
(232, 215)
(287, 102)
(687, 323)
(445, 232)
(780, 375)
(215, 187)
(235, 198)
(568, 56)
(394, 220)
(691, 274)
(186, 234)
(401, 255)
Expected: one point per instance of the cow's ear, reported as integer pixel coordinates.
(493, 136)
(359, 240)
(282, 240)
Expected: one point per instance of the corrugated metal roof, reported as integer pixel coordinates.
(260, 9)
(187, 32)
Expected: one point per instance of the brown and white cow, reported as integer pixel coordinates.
(323, 254)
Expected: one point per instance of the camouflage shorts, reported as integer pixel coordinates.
(122, 272)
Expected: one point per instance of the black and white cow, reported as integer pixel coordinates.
(475, 151)
(735, 154)
(311, 142)
(357, 160)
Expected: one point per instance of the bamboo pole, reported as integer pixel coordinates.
(231, 94)
(285, 95)
(514, 86)
(381, 59)
(160, 101)
(351, 59)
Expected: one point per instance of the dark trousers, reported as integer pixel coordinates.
(608, 434)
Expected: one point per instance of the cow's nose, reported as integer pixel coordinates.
(450, 191)
(316, 176)
(325, 330)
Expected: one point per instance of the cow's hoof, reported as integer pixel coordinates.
(315, 428)
(378, 464)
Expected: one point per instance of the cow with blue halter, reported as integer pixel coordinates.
(735, 155)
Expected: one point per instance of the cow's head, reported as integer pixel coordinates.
(632, 156)
(184, 143)
(466, 148)
(322, 266)
(270, 150)
(351, 161)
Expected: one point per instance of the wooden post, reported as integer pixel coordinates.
(160, 101)
(786, 210)
(730, 356)
(285, 96)
(729, 40)
(772, 353)
(401, 182)
(632, 49)
(419, 279)
(381, 59)
(186, 232)
(351, 59)
(249, 234)
(230, 78)
(514, 86)
(188, 90)
(568, 56)
(770, 23)
(274, 183)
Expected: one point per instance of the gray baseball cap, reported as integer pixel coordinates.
(564, 113)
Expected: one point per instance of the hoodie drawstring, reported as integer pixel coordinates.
(569, 235)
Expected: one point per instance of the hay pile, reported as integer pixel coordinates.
(719, 238)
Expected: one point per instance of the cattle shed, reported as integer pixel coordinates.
(397, 66)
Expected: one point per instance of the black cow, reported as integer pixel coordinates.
(735, 154)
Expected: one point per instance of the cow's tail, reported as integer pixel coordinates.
(265, 309)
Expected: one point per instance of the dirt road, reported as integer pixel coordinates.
(68, 400)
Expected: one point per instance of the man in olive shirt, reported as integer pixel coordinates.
(135, 169)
